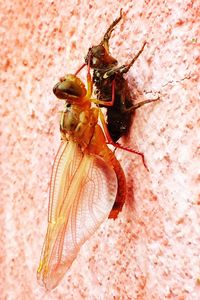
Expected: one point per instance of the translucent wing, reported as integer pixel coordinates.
(82, 194)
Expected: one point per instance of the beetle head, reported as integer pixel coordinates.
(99, 57)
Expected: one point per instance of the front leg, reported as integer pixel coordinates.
(124, 68)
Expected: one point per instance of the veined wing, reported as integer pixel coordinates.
(66, 163)
(81, 197)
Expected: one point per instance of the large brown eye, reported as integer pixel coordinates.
(70, 87)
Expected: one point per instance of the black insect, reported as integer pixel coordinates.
(110, 84)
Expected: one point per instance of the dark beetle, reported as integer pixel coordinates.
(110, 83)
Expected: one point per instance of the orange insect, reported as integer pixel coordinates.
(87, 182)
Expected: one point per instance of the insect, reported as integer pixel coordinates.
(87, 182)
(110, 83)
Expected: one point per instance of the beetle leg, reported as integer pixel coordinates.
(117, 145)
(139, 104)
(89, 82)
(124, 109)
(124, 68)
(79, 69)
(124, 99)
(106, 102)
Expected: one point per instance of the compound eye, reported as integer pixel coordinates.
(71, 87)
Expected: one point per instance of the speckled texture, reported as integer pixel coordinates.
(152, 250)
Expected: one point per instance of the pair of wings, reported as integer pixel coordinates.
(82, 193)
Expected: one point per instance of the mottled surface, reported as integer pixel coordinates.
(152, 250)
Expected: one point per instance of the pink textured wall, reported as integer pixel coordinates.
(152, 251)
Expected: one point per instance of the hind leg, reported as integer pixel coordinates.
(124, 109)
(125, 68)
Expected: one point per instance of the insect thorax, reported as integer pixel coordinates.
(78, 124)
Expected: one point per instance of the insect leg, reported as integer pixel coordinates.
(124, 68)
(139, 104)
(117, 145)
(79, 69)
(89, 82)
(124, 109)
(106, 102)
(123, 99)
(105, 41)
